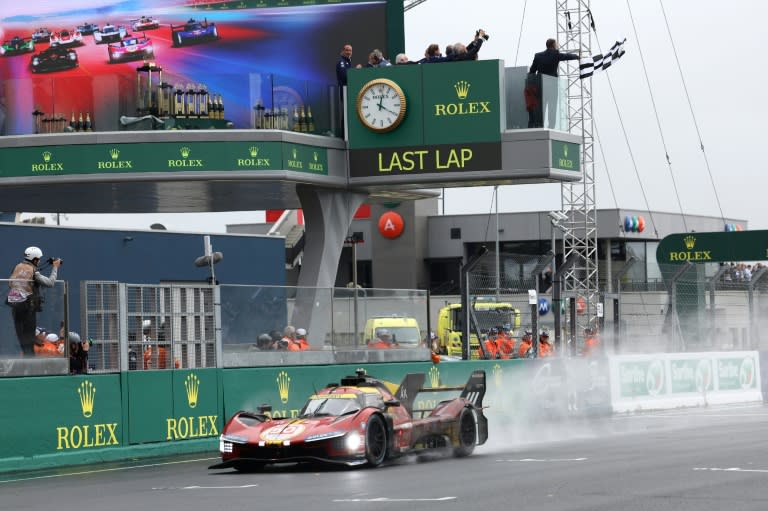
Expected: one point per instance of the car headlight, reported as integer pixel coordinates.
(353, 441)
(324, 436)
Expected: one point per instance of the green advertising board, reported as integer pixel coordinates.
(60, 415)
(452, 121)
(691, 375)
(736, 373)
(712, 247)
(176, 405)
(641, 378)
(566, 156)
(161, 157)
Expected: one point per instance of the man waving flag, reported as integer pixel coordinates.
(589, 65)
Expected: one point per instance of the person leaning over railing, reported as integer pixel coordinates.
(25, 298)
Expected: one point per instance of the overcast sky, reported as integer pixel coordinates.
(722, 63)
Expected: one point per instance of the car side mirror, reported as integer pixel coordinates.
(392, 402)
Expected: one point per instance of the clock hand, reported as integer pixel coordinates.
(390, 111)
(381, 100)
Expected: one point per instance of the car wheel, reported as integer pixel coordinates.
(467, 434)
(375, 441)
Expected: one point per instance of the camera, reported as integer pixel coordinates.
(52, 259)
(477, 34)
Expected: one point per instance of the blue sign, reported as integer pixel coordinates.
(543, 306)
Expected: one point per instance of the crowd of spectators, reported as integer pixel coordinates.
(736, 273)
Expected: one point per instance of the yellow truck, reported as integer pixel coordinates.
(489, 314)
(405, 330)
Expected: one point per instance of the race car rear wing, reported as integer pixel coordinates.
(473, 391)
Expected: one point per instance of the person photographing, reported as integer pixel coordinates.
(25, 297)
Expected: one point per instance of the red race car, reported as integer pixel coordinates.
(357, 422)
(131, 48)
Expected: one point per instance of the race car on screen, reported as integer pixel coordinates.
(87, 28)
(109, 34)
(357, 422)
(41, 35)
(145, 23)
(193, 32)
(131, 48)
(67, 38)
(17, 46)
(54, 58)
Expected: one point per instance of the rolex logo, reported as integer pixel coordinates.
(185, 152)
(314, 156)
(689, 241)
(283, 385)
(114, 153)
(192, 385)
(497, 373)
(565, 151)
(434, 377)
(87, 393)
(462, 89)
(253, 151)
(47, 156)
(294, 153)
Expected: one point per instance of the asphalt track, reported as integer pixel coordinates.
(702, 459)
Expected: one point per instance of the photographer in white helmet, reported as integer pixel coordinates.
(25, 298)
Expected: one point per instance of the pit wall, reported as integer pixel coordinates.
(71, 420)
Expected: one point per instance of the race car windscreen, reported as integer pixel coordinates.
(331, 405)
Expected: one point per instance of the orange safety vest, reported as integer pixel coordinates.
(506, 346)
(591, 346)
(525, 345)
(48, 349)
(545, 349)
(380, 345)
(491, 351)
(157, 363)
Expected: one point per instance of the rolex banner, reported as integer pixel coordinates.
(429, 105)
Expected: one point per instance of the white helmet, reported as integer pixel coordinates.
(73, 337)
(33, 253)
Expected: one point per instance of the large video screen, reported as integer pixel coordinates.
(73, 56)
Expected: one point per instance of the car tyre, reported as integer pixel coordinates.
(375, 441)
(467, 434)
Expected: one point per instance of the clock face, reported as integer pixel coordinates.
(381, 105)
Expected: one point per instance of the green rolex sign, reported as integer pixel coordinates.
(162, 157)
(566, 156)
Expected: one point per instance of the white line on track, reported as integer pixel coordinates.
(732, 469)
(387, 499)
(116, 469)
(209, 487)
(546, 460)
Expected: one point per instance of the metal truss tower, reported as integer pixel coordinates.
(574, 21)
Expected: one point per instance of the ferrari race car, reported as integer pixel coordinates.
(17, 46)
(54, 58)
(357, 422)
(41, 35)
(109, 34)
(131, 48)
(87, 28)
(193, 32)
(67, 38)
(145, 23)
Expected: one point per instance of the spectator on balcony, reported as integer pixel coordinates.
(342, 65)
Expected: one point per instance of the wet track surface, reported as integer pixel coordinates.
(703, 459)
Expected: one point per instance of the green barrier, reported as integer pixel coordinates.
(59, 415)
(173, 405)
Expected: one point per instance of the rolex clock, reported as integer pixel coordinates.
(381, 105)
